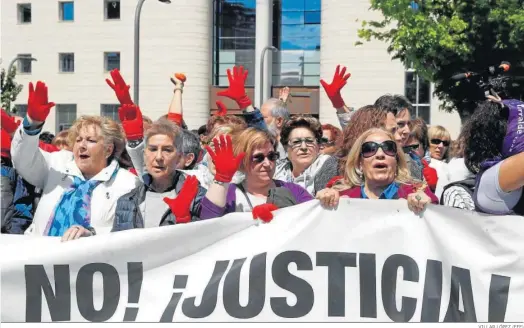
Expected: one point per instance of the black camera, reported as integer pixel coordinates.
(493, 80)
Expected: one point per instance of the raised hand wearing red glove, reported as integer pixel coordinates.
(263, 212)
(333, 89)
(8, 123)
(222, 109)
(237, 90)
(38, 106)
(120, 87)
(132, 121)
(181, 205)
(430, 175)
(226, 164)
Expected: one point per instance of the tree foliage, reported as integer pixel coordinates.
(440, 38)
(10, 89)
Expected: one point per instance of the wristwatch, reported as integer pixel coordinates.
(220, 183)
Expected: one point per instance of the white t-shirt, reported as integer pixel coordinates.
(443, 175)
(154, 207)
(242, 205)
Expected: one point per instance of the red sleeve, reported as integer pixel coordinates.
(176, 118)
(47, 147)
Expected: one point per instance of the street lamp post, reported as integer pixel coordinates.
(18, 58)
(137, 48)
(273, 49)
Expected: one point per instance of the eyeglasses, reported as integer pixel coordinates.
(438, 141)
(410, 148)
(370, 148)
(295, 143)
(271, 156)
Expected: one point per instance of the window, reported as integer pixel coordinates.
(112, 9)
(65, 116)
(24, 63)
(20, 110)
(418, 91)
(67, 62)
(296, 32)
(111, 61)
(234, 39)
(67, 11)
(24, 13)
(110, 110)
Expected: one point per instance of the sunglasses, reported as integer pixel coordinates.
(370, 148)
(410, 148)
(271, 156)
(325, 142)
(438, 141)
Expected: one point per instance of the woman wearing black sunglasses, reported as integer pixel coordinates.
(439, 150)
(258, 190)
(376, 169)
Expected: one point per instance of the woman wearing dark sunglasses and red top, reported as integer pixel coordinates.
(376, 169)
(258, 188)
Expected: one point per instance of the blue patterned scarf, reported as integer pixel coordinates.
(74, 207)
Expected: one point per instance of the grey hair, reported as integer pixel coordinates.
(278, 109)
(191, 145)
(168, 128)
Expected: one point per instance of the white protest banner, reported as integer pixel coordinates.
(365, 261)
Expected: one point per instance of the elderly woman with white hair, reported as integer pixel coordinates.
(72, 182)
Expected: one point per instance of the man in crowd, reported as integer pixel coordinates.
(398, 110)
(275, 115)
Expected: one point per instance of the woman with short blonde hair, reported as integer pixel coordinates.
(81, 187)
(439, 149)
(61, 140)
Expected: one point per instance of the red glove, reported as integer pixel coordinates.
(175, 117)
(8, 123)
(120, 87)
(263, 212)
(38, 107)
(226, 164)
(132, 122)
(333, 181)
(430, 175)
(236, 90)
(181, 205)
(5, 141)
(222, 109)
(333, 89)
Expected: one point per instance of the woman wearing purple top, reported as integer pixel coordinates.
(255, 157)
(495, 150)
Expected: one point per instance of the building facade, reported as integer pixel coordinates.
(76, 44)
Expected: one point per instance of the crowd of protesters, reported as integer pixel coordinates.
(103, 176)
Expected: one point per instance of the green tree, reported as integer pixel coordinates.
(10, 89)
(440, 38)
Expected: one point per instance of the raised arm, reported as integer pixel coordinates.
(31, 163)
(175, 112)
(133, 125)
(340, 78)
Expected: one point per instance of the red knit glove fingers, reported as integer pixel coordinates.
(263, 212)
(120, 87)
(236, 90)
(38, 106)
(8, 123)
(226, 164)
(132, 121)
(181, 205)
(222, 109)
(333, 90)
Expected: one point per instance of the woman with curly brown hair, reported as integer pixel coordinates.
(305, 165)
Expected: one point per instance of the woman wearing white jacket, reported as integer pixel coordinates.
(80, 188)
